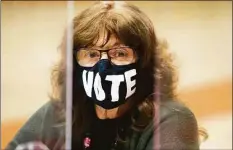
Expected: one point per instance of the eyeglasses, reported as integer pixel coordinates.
(88, 57)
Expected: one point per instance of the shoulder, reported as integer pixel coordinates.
(177, 126)
(172, 111)
(39, 118)
(33, 128)
(173, 108)
(174, 127)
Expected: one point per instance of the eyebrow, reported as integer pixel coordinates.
(109, 46)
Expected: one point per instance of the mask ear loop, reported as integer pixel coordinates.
(69, 75)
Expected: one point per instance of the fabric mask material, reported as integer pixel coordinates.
(108, 85)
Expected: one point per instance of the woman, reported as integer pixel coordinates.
(123, 89)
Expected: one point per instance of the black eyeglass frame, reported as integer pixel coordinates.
(102, 51)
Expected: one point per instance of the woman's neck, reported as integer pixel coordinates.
(103, 113)
(106, 113)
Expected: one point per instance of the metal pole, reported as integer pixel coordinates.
(69, 70)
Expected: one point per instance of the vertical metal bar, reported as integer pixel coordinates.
(69, 70)
(157, 97)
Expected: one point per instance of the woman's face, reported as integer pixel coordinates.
(119, 54)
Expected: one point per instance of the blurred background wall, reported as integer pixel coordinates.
(199, 34)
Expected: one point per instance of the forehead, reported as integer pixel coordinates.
(105, 41)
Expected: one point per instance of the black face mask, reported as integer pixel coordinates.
(108, 85)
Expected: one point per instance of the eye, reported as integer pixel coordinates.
(93, 54)
(119, 53)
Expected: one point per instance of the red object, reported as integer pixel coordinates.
(87, 142)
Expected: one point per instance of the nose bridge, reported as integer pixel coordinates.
(104, 64)
(103, 55)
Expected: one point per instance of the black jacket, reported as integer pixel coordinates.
(174, 128)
